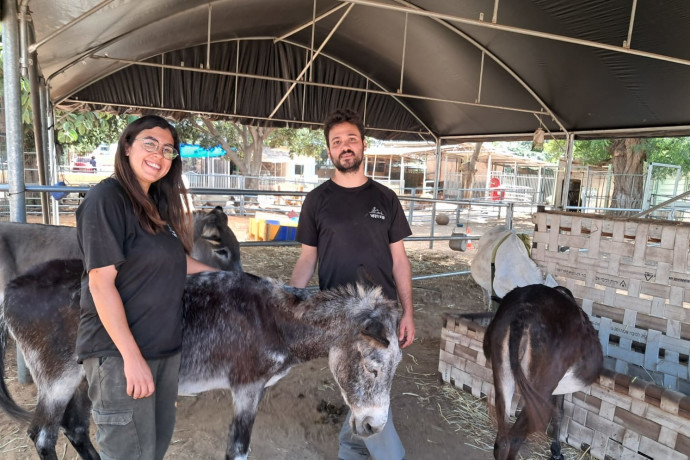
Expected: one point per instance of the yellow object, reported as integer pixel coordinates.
(271, 230)
(253, 228)
(261, 230)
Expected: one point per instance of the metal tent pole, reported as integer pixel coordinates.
(13, 129)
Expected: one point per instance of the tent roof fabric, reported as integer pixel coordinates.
(420, 69)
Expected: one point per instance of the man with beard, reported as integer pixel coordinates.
(349, 222)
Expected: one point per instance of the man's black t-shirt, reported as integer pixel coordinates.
(151, 271)
(352, 227)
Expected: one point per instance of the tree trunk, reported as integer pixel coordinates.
(253, 151)
(628, 158)
(468, 169)
(234, 157)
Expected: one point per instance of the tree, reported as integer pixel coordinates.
(468, 169)
(244, 144)
(85, 131)
(81, 131)
(627, 157)
(303, 141)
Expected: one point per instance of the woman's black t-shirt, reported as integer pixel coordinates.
(353, 227)
(151, 271)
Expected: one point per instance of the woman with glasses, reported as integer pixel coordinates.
(135, 238)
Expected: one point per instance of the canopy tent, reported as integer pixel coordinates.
(432, 69)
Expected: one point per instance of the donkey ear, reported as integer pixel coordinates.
(364, 277)
(220, 215)
(376, 331)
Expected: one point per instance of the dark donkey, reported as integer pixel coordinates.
(24, 245)
(214, 244)
(541, 342)
(240, 332)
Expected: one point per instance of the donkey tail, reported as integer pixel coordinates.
(6, 401)
(538, 408)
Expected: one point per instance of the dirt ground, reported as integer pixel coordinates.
(299, 418)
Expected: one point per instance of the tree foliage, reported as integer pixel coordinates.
(303, 141)
(85, 131)
(666, 150)
(244, 144)
(628, 157)
(79, 131)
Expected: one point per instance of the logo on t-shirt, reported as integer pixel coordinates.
(376, 214)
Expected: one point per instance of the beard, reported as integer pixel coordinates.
(353, 165)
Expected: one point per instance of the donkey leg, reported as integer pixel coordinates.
(54, 395)
(44, 431)
(501, 445)
(557, 417)
(75, 423)
(518, 433)
(504, 388)
(246, 400)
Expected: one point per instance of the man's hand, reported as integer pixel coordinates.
(139, 378)
(406, 331)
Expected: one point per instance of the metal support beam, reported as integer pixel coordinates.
(626, 43)
(521, 31)
(439, 154)
(402, 59)
(568, 168)
(13, 130)
(313, 124)
(310, 62)
(49, 141)
(662, 205)
(69, 25)
(13, 111)
(208, 36)
(310, 23)
(31, 65)
(297, 81)
(441, 19)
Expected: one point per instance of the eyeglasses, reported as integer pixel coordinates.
(151, 145)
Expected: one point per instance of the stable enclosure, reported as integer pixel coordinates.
(632, 277)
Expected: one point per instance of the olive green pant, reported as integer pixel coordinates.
(128, 428)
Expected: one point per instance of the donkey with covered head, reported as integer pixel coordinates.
(503, 262)
(240, 332)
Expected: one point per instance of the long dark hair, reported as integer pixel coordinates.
(164, 202)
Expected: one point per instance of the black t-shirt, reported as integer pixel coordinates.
(151, 272)
(352, 227)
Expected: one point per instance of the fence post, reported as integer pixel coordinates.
(409, 217)
(242, 212)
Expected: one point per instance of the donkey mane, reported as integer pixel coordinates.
(355, 302)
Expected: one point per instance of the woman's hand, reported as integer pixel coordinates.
(111, 311)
